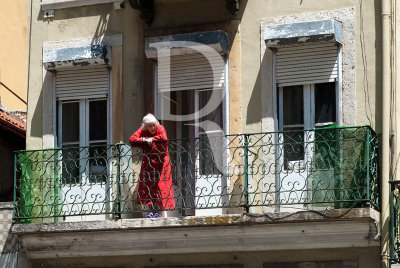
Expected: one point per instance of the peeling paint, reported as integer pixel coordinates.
(218, 40)
(75, 56)
(302, 32)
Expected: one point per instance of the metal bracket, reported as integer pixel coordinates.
(146, 7)
(233, 6)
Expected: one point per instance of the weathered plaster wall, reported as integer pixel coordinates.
(367, 30)
(365, 35)
(100, 20)
(348, 85)
(88, 22)
(366, 257)
(14, 52)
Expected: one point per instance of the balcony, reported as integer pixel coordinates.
(292, 171)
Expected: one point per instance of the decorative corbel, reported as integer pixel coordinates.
(146, 7)
(233, 6)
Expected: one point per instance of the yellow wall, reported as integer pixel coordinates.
(14, 52)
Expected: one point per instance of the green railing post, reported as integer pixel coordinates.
(368, 167)
(392, 215)
(56, 184)
(15, 188)
(246, 173)
(118, 186)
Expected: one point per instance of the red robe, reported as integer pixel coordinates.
(155, 180)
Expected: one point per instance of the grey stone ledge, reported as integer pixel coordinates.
(303, 32)
(6, 205)
(217, 40)
(355, 214)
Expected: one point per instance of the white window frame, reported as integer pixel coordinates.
(83, 121)
(338, 94)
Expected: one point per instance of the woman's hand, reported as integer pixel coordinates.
(148, 140)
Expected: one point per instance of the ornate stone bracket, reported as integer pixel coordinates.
(233, 6)
(146, 7)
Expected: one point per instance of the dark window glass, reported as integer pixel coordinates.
(325, 102)
(214, 116)
(211, 144)
(98, 120)
(211, 154)
(98, 163)
(70, 122)
(293, 105)
(293, 145)
(70, 164)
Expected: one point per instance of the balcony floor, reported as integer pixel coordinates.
(338, 228)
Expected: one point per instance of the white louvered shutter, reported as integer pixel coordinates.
(192, 71)
(308, 63)
(82, 83)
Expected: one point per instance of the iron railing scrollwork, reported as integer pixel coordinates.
(326, 168)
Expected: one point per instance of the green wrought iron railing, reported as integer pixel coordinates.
(326, 168)
(395, 222)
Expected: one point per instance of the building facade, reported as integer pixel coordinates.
(273, 111)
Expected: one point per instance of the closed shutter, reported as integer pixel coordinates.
(192, 71)
(82, 83)
(308, 63)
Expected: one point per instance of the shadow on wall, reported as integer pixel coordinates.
(9, 142)
(377, 124)
(254, 107)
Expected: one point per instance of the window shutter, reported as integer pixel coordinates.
(82, 83)
(192, 71)
(307, 63)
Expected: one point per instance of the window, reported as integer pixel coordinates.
(304, 107)
(83, 124)
(83, 137)
(201, 148)
(188, 90)
(307, 78)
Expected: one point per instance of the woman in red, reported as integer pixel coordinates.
(155, 182)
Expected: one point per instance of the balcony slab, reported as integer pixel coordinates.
(339, 228)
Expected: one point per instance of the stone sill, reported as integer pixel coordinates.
(48, 6)
(6, 205)
(355, 214)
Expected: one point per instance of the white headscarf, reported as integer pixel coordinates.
(149, 119)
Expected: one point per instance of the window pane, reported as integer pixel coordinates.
(70, 122)
(293, 145)
(98, 163)
(211, 154)
(293, 107)
(70, 164)
(214, 116)
(98, 120)
(325, 103)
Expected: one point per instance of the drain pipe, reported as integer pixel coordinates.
(385, 148)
